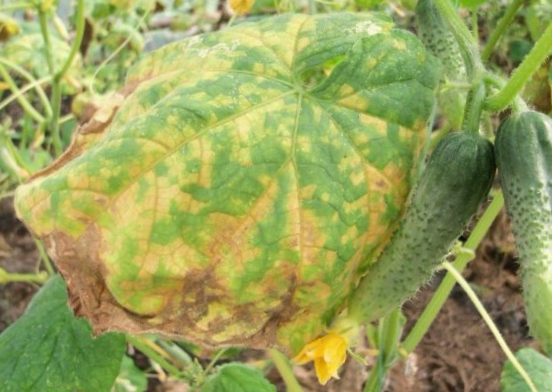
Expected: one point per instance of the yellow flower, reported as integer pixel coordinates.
(241, 7)
(328, 353)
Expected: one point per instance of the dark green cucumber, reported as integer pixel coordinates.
(524, 159)
(455, 181)
(438, 38)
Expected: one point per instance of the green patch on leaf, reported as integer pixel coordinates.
(49, 350)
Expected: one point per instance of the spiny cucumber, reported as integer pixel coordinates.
(456, 179)
(440, 41)
(524, 160)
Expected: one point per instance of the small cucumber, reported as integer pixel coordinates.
(440, 41)
(524, 160)
(456, 179)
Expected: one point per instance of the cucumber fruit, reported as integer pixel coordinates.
(438, 38)
(524, 160)
(455, 181)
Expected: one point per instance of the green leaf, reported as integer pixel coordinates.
(49, 350)
(236, 377)
(535, 364)
(130, 378)
(239, 183)
(519, 49)
(472, 3)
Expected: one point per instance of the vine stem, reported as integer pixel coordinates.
(44, 257)
(11, 157)
(523, 73)
(213, 361)
(284, 368)
(23, 90)
(474, 108)
(7, 277)
(174, 351)
(152, 351)
(25, 104)
(43, 21)
(79, 15)
(500, 28)
(518, 105)
(444, 289)
(389, 334)
(487, 318)
(34, 83)
(58, 76)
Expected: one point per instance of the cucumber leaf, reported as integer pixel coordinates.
(535, 364)
(201, 199)
(236, 377)
(49, 350)
(130, 378)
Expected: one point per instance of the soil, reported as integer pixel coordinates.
(458, 354)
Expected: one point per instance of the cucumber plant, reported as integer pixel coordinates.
(242, 191)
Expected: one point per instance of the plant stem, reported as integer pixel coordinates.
(44, 257)
(25, 104)
(43, 20)
(444, 289)
(492, 79)
(213, 361)
(282, 364)
(494, 330)
(58, 76)
(389, 334)
(12, 158)
(500, 28)
(145, 346)
(7, 277)
(523, 73)
(23, 90)
(474, 108)
(375, 378)
(175, 351)
(33, 83)
(475, 25)
(79, 15)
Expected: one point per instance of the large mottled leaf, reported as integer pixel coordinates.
(232, 192)
(49, 350)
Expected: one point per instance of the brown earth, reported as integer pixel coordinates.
(458, 354)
